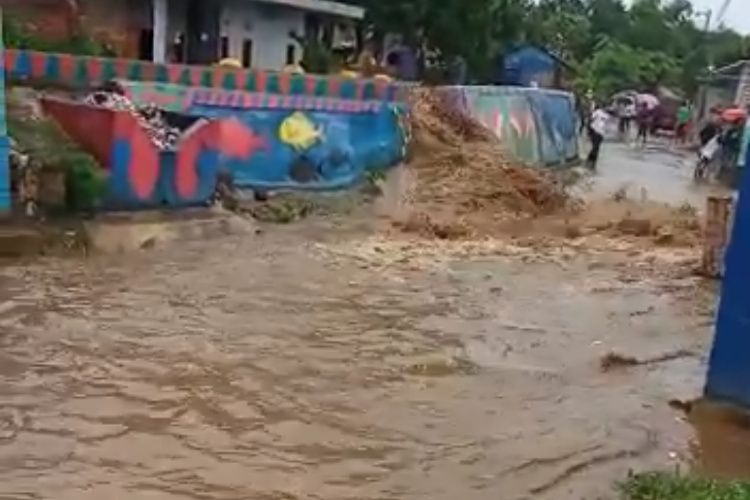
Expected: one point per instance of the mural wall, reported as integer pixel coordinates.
(71, 71)
(536, 125)
(263, 142)
(729, 370)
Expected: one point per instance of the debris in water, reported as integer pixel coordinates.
(424, 225)
(635, 227)
(683, 406)
(613, 361)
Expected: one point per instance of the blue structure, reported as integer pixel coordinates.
(5, 196)
(729, 366)
(529, 65)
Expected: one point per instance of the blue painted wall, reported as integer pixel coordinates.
(729, 365)
(350, 145)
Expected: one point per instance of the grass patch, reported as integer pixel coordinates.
(51, 150)
(666, 486)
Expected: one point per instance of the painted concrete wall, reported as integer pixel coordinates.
(268, 26)
(536, 125)
(69, 71)
(346, 139)
(729, 369)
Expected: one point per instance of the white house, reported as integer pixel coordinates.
(258, 33)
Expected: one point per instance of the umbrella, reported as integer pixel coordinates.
(625, 95)
(733, 114)
(650, 100)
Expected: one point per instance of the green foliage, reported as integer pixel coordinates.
(85, 185)
(663, 486)
(317, 58)
(645, 42)
(43, 140)
(16, 37)
(616, 66)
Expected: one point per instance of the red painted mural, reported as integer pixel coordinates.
(136, 165)
(229, 137)
(93, 128)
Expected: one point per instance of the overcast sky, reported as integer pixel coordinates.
(737, 17)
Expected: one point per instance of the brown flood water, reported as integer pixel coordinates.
(269, 368)
(722, 444)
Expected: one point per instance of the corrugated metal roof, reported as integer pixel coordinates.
(324, 6)
(729, 68)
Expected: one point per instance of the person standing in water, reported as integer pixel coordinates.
(683, 123)
(597, 129)
(644, 118)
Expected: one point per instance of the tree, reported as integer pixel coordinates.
(562, 26)
(616, 45)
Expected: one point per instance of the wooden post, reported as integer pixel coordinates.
(718, 210)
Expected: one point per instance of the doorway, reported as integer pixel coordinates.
(203, 27)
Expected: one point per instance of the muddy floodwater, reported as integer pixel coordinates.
(284, 366)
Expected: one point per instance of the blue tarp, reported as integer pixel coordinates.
(729, 366)
(528, 65)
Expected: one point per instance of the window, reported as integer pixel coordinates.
(146, 45)
(312, 27)
(224, 47)
(247, 52)
(291, 54)
(178, 48)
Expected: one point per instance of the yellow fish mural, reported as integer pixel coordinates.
(299, 131)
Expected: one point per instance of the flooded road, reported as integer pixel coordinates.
(275, 366)
(722, 443)
(321, 360)
(665, 174)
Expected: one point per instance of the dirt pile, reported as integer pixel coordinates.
(464, 179)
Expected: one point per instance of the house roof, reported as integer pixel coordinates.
(324, 6)
(725, 74)
(542, 49)
(731, 68)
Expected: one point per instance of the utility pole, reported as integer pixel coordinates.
(723, 11)
(707, 14)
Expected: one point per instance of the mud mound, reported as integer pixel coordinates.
(463, 173)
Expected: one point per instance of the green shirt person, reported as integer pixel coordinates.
(683, 114)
